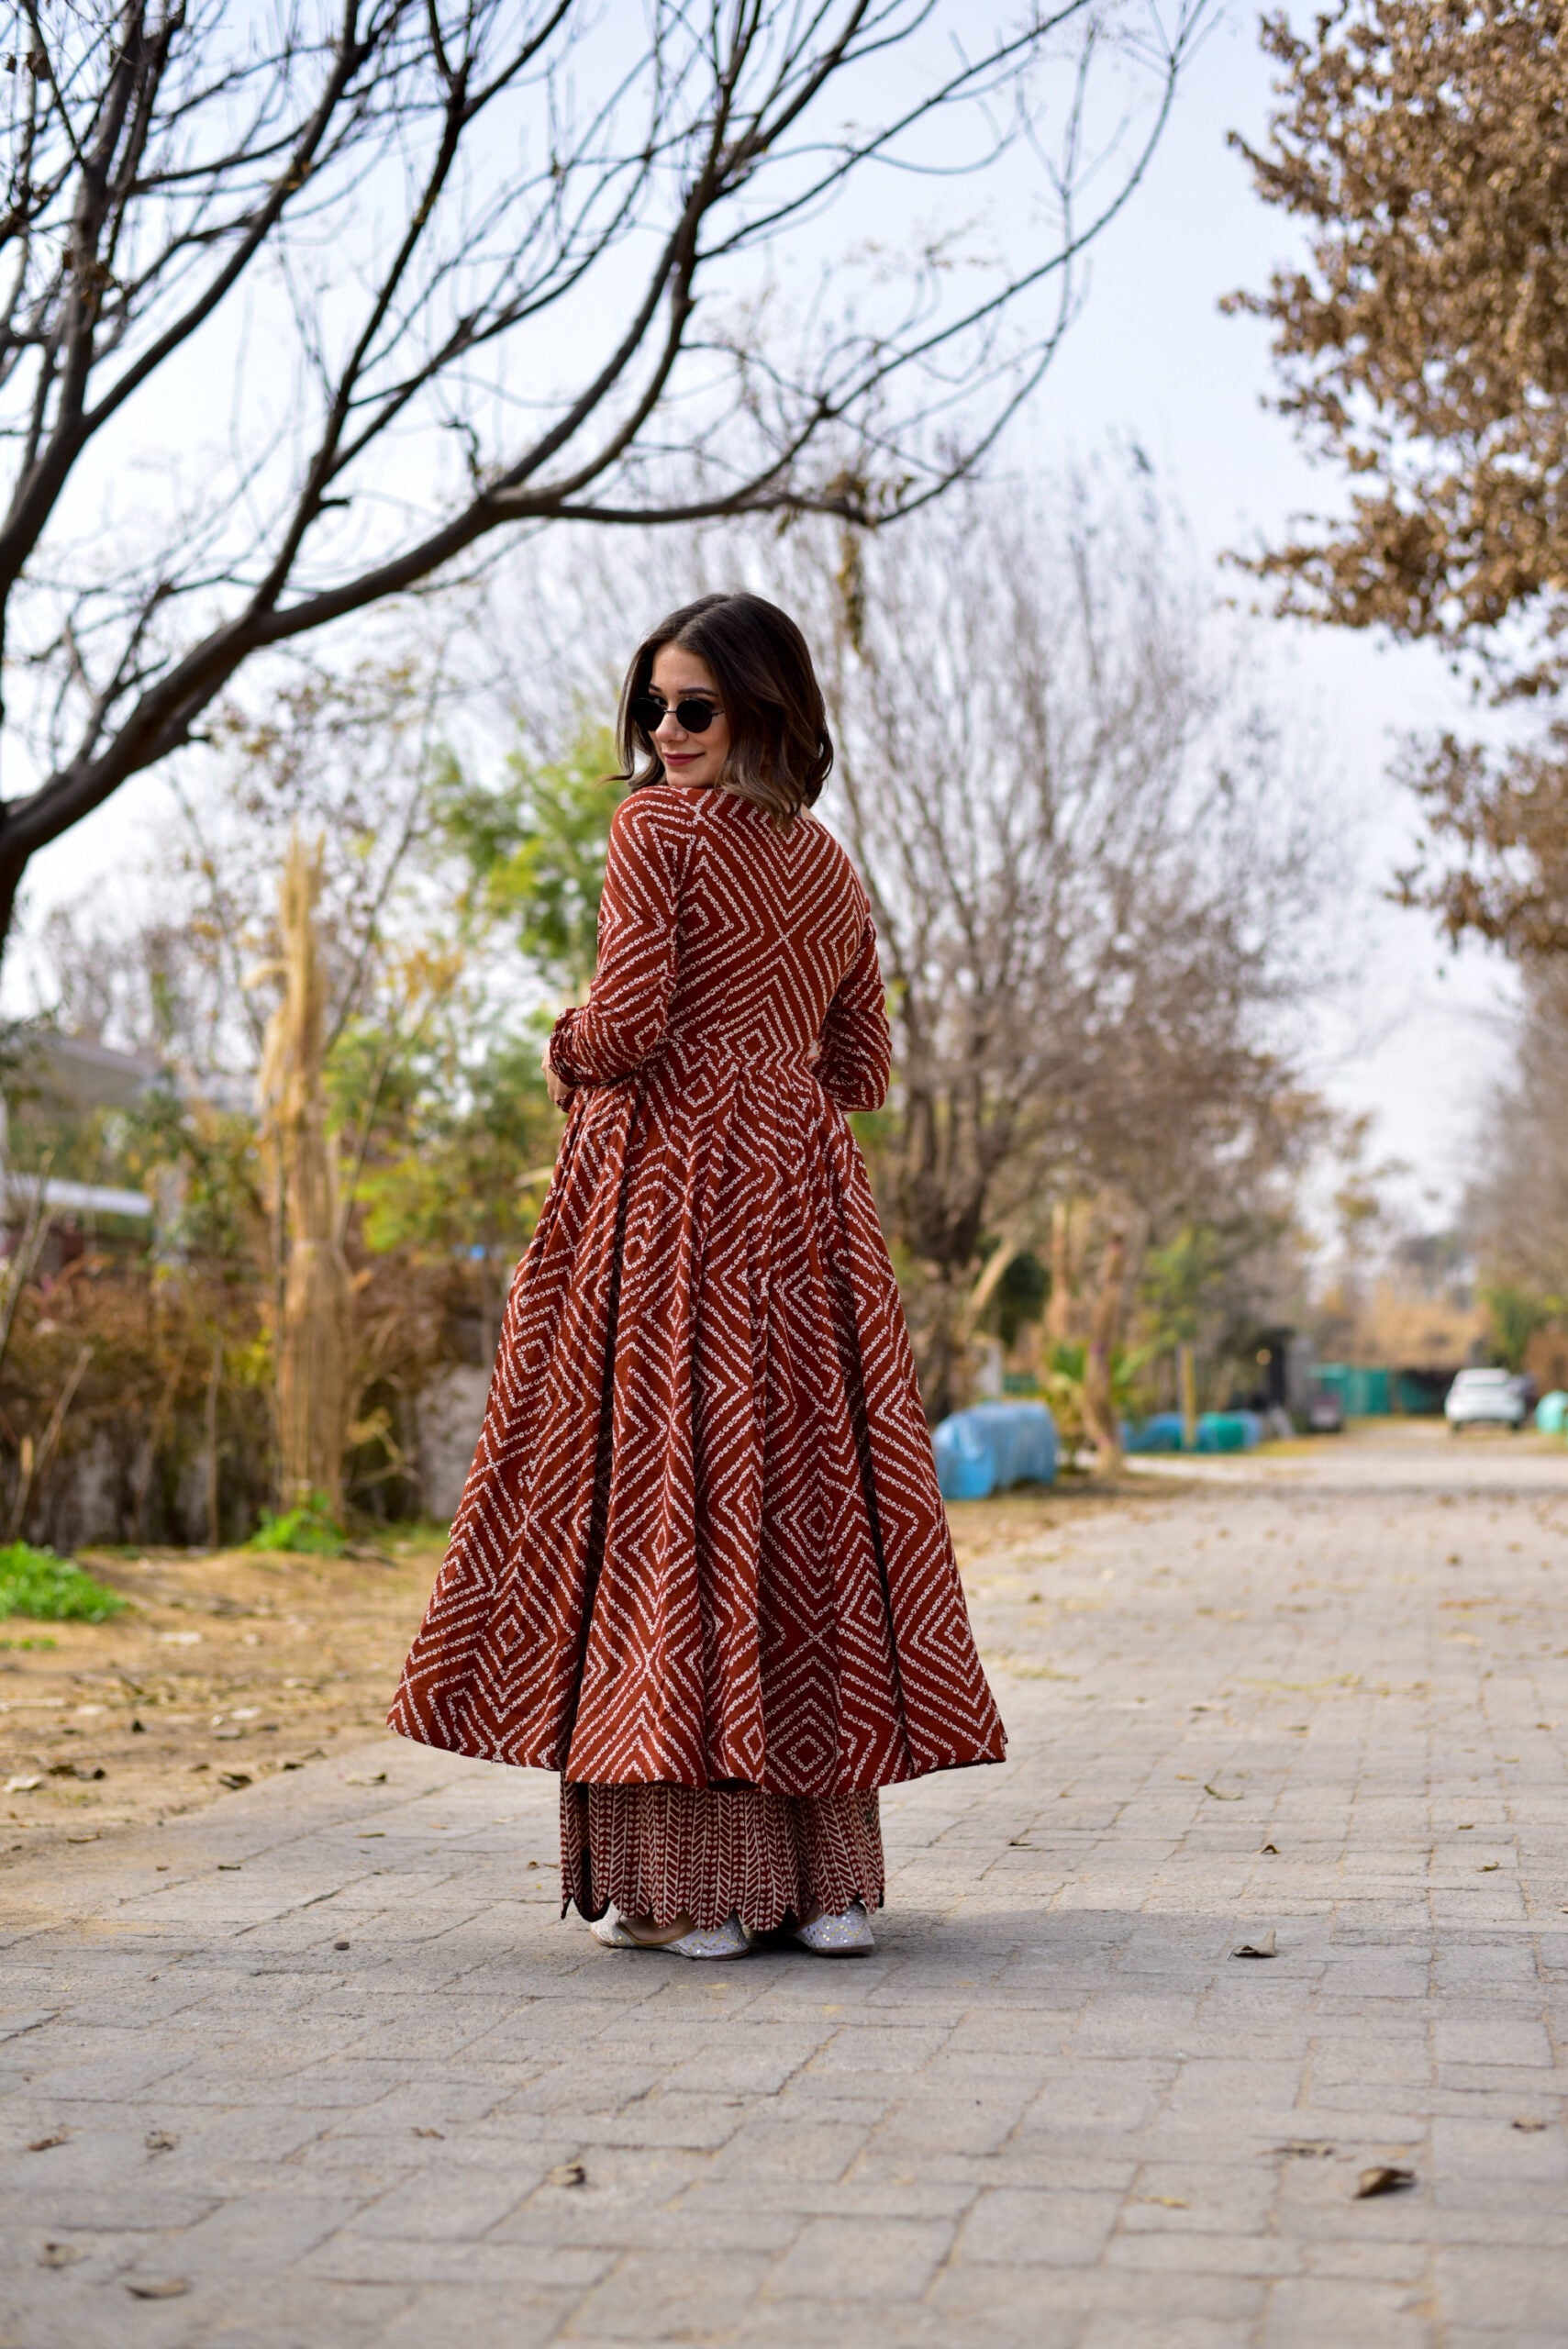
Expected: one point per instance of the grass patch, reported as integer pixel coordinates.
(414, 1533)
(50, 1589)
(310, 1531)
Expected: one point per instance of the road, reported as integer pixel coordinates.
(322, 2068)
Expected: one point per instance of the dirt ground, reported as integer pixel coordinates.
(230, 1667)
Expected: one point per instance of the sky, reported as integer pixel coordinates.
(1413, 1033)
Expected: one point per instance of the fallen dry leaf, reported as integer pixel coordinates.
(165, 2288)
(234, 1779)
(1305, 2149)
(1527, 2122)
(1488, 1868)
(61, 2254)
(23, 1785)
(1218, 1795)
(1382, 2178)
(43, 2144)
(159, 2141)
(569, 2174)
(229, 1868)
(430, 2133)
(1263, 1947)
(1272, 1847)
(1166, 2201)
(375, 1779)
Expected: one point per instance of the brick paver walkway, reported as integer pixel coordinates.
(1054, 2109)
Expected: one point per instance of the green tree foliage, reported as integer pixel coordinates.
(1515, 1314)
(1019, 1297)
(1064, 1385)
(448, 1131)
(1178, 1283)
(535, 848)
(463, 1133)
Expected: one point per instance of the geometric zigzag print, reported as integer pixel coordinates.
(701, 1540)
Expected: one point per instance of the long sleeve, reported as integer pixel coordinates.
(624, 1022)
(857, 1048)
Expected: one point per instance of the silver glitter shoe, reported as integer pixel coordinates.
(848, 1936)
(728, 1940)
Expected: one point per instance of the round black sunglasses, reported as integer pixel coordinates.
(692, 716)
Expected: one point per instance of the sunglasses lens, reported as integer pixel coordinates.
(649, 713)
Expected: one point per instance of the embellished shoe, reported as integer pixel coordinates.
(848, 1936)
(728, 1940)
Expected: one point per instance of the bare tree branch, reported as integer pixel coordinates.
(486, 225)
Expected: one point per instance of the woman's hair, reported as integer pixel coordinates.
(780, 749)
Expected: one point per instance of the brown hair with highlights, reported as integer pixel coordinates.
(780, 749)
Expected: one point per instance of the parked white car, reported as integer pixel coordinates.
(1486, 1399)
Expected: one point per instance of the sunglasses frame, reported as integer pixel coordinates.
(684, 709)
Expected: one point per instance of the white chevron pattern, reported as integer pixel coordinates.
(753, 1529)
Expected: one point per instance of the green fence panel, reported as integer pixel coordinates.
(1363, 1393)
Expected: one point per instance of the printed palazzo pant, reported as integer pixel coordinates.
(708, 1853)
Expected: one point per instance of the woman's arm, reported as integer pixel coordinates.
(624, 1021)
(856, 1059)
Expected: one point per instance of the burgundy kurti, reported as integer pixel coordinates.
(701, 1540)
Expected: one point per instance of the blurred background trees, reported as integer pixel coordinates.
(1102, 871)
(1094, 882)
(1095, 894)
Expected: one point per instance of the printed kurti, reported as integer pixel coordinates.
(701, 1540)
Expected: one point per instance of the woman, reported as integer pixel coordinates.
(701, 1566)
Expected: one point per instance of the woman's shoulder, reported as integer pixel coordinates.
(646, 799)
(653, 811)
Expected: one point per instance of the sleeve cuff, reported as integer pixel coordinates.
(561, 1049)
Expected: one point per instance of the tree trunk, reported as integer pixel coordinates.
(943, 1350)
(1061, 1314)
(313, 1327)
(1186, 1375)
(12, 868)
(34, 1466)
(1104, 1331)
(213, 1495)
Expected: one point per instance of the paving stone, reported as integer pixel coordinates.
(871, 2259)
(1016, 2227)
(1305, 2311)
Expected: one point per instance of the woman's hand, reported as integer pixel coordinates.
(559, 1090)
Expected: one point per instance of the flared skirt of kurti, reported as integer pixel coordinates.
(702, 1539)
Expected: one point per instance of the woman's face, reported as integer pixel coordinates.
(688, 758)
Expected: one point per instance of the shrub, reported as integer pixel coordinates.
(310, 1530)
(49, 1589)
